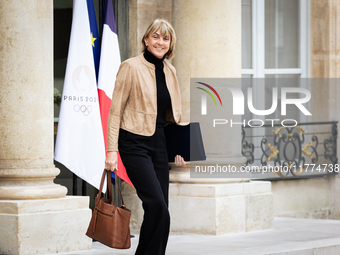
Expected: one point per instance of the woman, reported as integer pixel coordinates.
(145, 98)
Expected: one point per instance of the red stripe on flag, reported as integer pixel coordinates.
(104, 105)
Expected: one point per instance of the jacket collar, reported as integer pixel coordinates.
(147, 63)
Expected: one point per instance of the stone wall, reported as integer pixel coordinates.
(303, 198)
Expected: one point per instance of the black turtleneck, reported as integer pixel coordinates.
(163, 96)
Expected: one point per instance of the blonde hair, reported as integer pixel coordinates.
(166, 29)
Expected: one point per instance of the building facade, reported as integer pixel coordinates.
(251, 39)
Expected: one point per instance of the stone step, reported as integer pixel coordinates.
(290, 236)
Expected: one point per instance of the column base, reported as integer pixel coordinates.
(29, 183)
(217, 209)
(211, 209)
(44, 226)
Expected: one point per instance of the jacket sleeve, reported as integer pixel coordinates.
(120, 96)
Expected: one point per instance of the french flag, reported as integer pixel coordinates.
(108, 68)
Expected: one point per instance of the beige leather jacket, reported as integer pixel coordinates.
(134, 99)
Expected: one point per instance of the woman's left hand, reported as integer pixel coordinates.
(179, 161)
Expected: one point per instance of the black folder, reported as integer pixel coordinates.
(185, 141)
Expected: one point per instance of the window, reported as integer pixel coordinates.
(275, 44)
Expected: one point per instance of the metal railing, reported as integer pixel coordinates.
(304, 151)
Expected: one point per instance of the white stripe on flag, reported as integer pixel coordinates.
(109, 61)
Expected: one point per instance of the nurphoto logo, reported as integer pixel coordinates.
(238, 104)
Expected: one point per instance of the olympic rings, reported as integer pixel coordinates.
(83, 109)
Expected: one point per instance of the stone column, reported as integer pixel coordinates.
(209, 46)
(325, 64)
(35, 215)
(325, 59)
(26, 106)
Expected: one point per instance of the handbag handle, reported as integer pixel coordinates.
(117, 186)
(97, 199)
(107, 173)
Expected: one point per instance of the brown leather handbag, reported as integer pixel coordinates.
(109, 223)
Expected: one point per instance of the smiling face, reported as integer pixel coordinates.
(158, 44)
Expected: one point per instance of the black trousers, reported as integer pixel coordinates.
(146, 162)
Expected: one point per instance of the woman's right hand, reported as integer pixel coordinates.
(111, 161)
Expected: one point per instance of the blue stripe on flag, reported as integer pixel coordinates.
(95, 34)
(109, 17)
